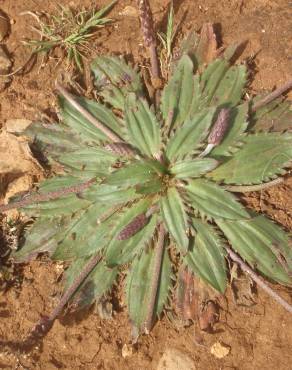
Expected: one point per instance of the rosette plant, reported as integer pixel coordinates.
(149, 184)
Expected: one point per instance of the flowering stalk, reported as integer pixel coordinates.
(149, 39)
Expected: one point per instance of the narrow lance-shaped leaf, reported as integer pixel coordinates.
(142, 125)
(97, 283)
(42, 237)
(58, 207)
(86, 130)
(138, 287)
(262, 157)
(187, 138)
(115, 79)
(213, 201)
(263, 244)
(175, 218)
(134, 173)
(206, 256)
(275, 116)
(193, 168)
(91, 229)
(121, 251)
(177, 94)
(109, 194)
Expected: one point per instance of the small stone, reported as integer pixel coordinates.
(173, 359)
(5, 65)
(127, 351)
(129, 11)
(220, 350)
(4, 26)
(17, 125)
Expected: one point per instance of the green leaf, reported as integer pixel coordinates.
(262, 244)
(87, 131)
(177, 95)
(150, 187)
(123, 251)
(115, 79)
(53, 139)
(175, 218)
(57, 183)
(211, 79)
(97, 284)
(94, 160)
(129, 215)
(206, 256)
(190, 135)
(138, 287)
(237, 125)
(275, 116)
(42, 237)
(109, 194)
(193, 168)
(261, 158)
(230, 90)
(86, 229)
(211, 200)
(132, 174)
(143, 128)
(57, 207)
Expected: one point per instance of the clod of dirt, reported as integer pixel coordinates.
(16, 125)
(173, 359)
(129, 11)
(18, 168)
(5, 65)
(209, 316)
(4, 26)
(127, 351)
(220, 350)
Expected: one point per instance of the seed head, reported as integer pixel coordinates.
(220, 127)
(146, 22)
(119, 148)
(133, 227)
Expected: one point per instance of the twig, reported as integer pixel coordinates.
(45, 324)
(156, 272)
(272, 96)
(258, 187)
(261, 283)
(32, 55)
(42, 197)
(70, 98)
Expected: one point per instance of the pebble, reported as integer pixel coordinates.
(220, 350)
(173, 359)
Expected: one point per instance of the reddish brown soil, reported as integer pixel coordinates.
(259, 336)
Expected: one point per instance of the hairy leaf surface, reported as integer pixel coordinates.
(97, 283)
(174, 216)
(115, 79)
(190, 135)
(262, 157)
(211, 200)
(193, 168)
(177, 95)
(120, 252)
(262, 244)
(138, 287)
(206, 256)
(142, 125)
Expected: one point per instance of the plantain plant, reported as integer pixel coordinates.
(145, 187)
